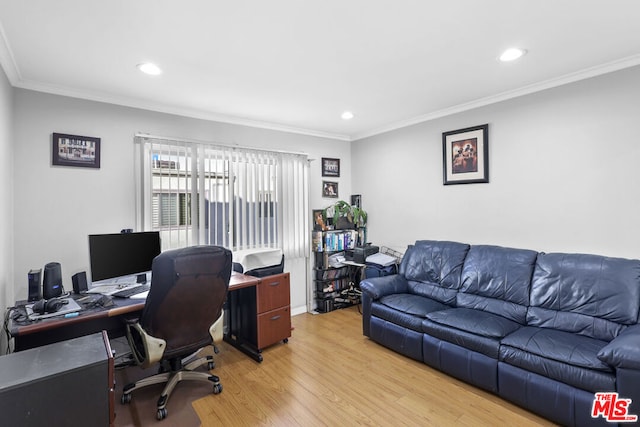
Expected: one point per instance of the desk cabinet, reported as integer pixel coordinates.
(258, 315)
(274, 310)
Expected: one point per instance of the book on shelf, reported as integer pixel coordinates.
(333, 241)
(317, 241)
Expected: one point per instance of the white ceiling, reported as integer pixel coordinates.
(296, 65)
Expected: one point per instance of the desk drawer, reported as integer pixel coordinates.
(274, 326)
(273, 292)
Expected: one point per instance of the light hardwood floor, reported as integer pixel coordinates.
(329, 374)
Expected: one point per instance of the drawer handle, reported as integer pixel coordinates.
(275, 317)
(274, 283)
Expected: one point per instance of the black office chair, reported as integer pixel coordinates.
(182, 315)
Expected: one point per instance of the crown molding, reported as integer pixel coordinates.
(168, 109)
(586, 73)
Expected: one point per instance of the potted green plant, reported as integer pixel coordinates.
(345, 216)
(359, 216)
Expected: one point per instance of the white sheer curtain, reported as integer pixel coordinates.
(205, 193)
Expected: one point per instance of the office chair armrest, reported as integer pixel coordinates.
(152, 347)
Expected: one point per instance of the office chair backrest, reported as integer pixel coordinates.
(188, 290)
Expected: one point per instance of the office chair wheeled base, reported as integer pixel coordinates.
(172, 379)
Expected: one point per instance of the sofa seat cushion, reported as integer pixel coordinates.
(473, 329)
(475, 321)
(412, 304)
(563, 356)
(407, 310)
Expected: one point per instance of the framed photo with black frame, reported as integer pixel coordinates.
(75, 150)
(465, 155)
(330, 167)
(356, 200)
(330, 189)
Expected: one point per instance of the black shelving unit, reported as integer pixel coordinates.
(334, 286)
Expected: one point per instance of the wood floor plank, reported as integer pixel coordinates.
(331, 374)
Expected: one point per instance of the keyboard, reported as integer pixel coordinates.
(133, 290)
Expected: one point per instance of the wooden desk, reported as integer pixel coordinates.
(48, 331)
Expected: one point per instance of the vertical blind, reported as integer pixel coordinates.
(240, 198)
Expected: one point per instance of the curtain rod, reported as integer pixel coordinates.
(195, 141)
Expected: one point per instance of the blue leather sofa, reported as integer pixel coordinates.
(545, 331)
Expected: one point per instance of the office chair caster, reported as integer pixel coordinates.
(217, 389)
(161, 414)
(210, 363)
(126, 398)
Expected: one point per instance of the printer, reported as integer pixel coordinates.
(360, 253)
(259, 262)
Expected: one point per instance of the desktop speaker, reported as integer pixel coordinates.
(52, 283)
(79, 282)
(35, 284)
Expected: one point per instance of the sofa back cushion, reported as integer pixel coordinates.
(591, 295)
(432, 269)
(497, 280)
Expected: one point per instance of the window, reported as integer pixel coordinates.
(170, 209)
(199, 193)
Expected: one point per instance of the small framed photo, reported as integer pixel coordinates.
(75, 150)
(318, 220)
(330, 189)
(356, 200)
(465, 155)
(330, 167)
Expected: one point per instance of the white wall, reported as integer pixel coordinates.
(6, 198)
(563, 165)
(57, 207)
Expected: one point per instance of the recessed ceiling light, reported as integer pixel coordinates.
(347, 115)
(512, 54)
(149, 68)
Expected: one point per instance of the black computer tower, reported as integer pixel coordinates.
(69, 383)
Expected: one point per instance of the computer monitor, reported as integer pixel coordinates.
(122, 254)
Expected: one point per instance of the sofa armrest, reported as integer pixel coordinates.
(623, 351)
(377, 287)
(374, 289)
